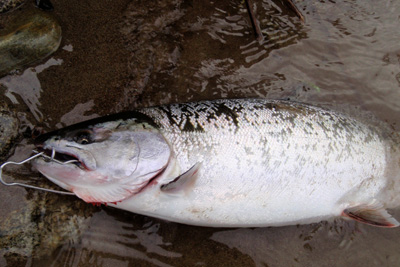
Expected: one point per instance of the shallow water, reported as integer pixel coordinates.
(118, 56)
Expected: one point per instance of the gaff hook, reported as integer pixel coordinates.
(41, 154)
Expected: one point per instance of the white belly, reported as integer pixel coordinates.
(244, 182)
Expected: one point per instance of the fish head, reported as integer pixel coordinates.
(104, 161)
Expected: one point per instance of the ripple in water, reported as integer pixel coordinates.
(111, 241)
(208, 50)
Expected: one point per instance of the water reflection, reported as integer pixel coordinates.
(27, 87)
(288, 246)
(77, 114)
(117, 242)
(214, 49)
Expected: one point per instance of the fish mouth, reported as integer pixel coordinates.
(62, 157)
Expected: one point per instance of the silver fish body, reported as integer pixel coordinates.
(252, 163)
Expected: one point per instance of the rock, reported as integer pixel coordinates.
(42, 224)
(32, 36)
(9, 125)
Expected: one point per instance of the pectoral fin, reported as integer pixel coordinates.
(111, 193)
(373, 214)
(183, 181)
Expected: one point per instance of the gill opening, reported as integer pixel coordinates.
(38, 154)
(138, 157)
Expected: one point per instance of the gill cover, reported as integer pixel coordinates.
(114, 159)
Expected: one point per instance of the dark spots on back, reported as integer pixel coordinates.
(167, 112)
(189, 127)
(230, 114)
(191, 117)
(271, 106)
(185, 117)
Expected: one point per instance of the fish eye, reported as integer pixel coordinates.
(83, 138)
(83, 141)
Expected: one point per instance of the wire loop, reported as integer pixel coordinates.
(38, 154)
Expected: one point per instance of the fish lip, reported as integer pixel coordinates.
(61, 156)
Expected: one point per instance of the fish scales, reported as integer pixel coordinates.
(274, 138)
(266, 163)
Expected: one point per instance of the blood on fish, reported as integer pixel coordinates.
(98, 204)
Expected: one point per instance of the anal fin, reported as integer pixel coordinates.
(183, 181)
(372, 214)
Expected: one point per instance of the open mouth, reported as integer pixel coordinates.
(62, 158)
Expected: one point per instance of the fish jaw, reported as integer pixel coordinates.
(108, 169)
(66, 151)
(79, 181)
(71, 178)
(51, 170)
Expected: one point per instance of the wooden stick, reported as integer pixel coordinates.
(293, 7)
(253, 20)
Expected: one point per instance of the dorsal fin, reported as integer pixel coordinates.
(183, 181)
(372, 214)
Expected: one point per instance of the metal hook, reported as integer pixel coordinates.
(41, 154)
(52, 157)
